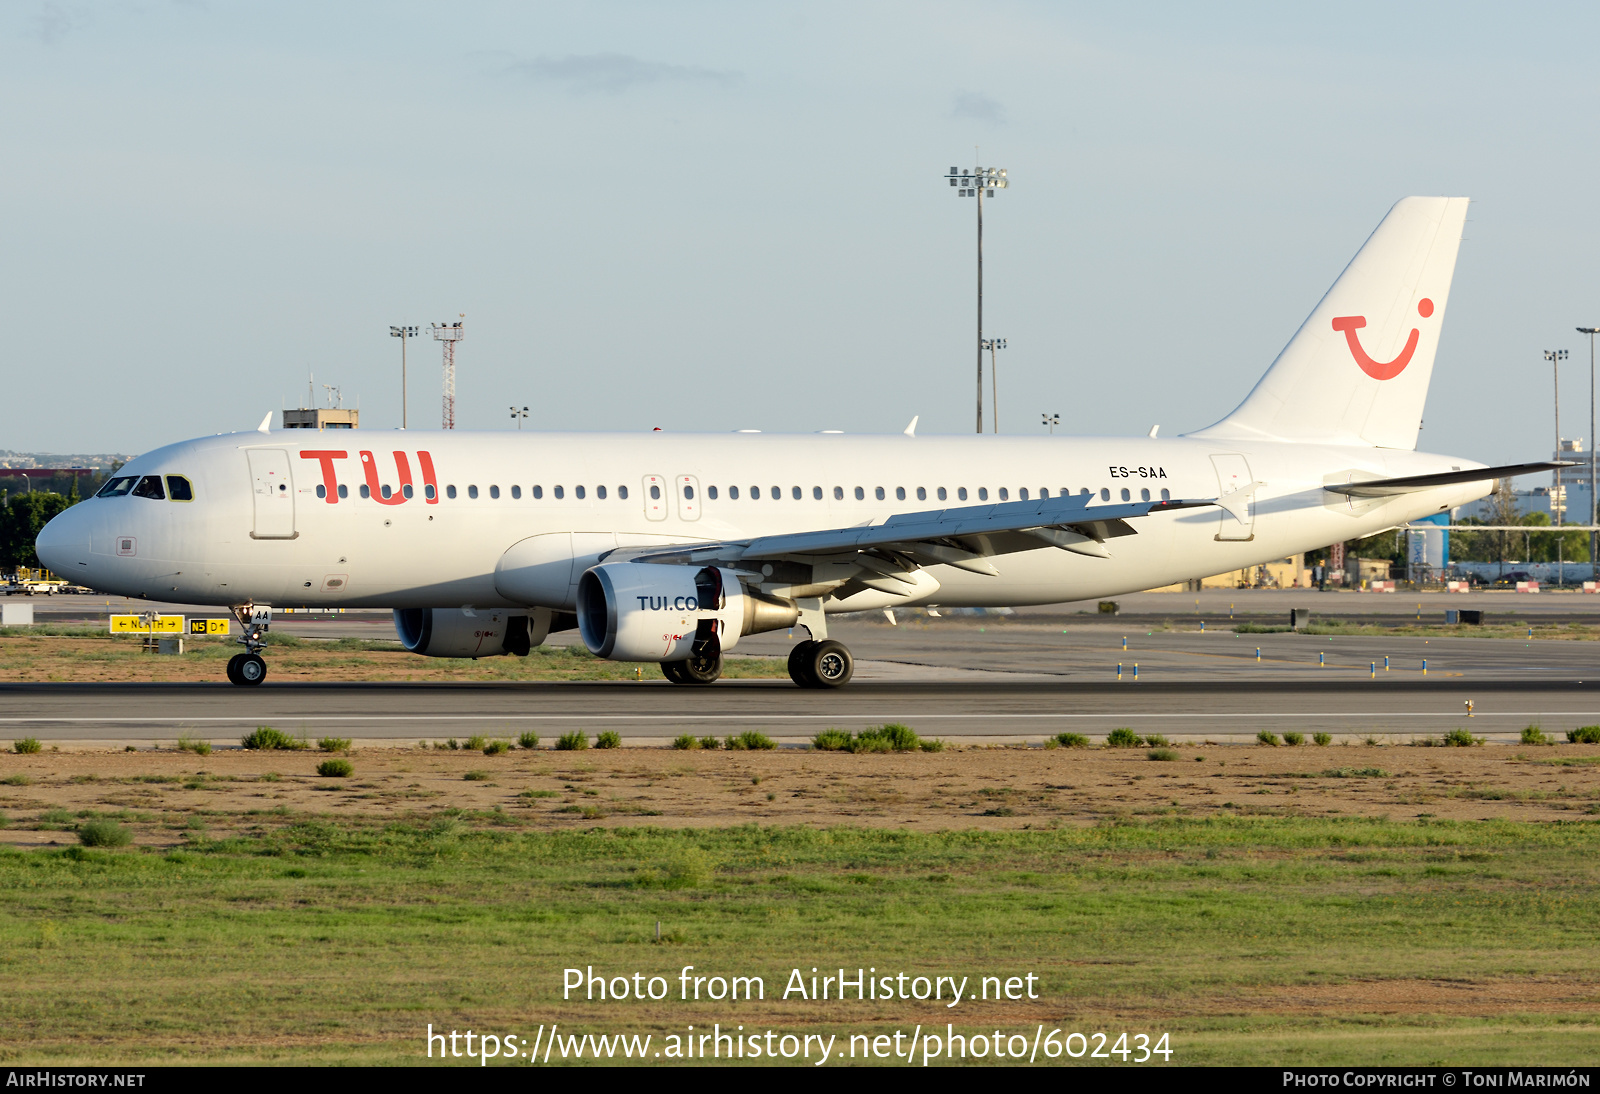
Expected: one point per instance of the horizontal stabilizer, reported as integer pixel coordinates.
(1383, 488)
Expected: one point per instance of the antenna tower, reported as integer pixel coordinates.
(449, 334)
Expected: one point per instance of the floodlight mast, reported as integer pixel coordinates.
(1558, 503)
(404, 334)
(979, 183)
(1594, 510)
(449, 334)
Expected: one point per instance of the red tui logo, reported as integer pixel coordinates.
(1380, 370)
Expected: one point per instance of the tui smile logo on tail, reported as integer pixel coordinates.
(1380, 370)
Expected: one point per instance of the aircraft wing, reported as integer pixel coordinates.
(959, 537)
(1382, 488)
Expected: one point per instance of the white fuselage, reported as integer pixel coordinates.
(257, 530)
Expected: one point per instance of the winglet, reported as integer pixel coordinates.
(1154, 430)
(911, 430)
(262, 428)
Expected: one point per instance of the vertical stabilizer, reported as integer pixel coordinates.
(1357, 370)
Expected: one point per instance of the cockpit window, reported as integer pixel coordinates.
(150, 487)
(117, 487)
(178, 488)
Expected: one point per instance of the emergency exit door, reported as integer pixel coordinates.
(273, 493)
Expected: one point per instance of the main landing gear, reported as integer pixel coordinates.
(698, 669)
(250, 668)
(825, 664)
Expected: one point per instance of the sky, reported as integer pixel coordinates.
(715, 216)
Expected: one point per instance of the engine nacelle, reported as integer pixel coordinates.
(639, 611)
(487, 632)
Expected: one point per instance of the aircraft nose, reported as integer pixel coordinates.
(63, 544)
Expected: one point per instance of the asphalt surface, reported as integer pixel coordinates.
(1024, 676)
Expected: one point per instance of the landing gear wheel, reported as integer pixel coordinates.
(673, 671)
(252, 669)
(799, 661)
(701, 670)
(233, 668)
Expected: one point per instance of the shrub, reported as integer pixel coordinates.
(1071, 740)
(476, 742)
(103, 832)
(932, 746)
(191, 744)
(494, 748)
(1533, 735)
(335, 769)
(1123, 737)
(1156, 740)
(16, 780)
(575, 741)
(271, 777)
(1267, 737)
(334, 744)
(1161, 754)
(452, 744)
(901, 738)
(29, 745)
(1583, 735)
(1462, 738)
(710, 743)
(529, 740)
(831, 740)
(686, 742)
(1323, 739)
(266, 738)
(751, 741)
(869, 742)
(608, 739)
(476, 776)
(1290, 737)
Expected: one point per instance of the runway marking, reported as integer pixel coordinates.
(698, 717)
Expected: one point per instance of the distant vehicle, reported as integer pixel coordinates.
(1509, 581)
(35, 583)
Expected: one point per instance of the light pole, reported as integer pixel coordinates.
(1051, 420)
(1593, 511)
(519, 415)
(992, 344)
(980, 182)
(1555, 357)
(403, 333)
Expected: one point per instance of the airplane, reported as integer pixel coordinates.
(672, 547)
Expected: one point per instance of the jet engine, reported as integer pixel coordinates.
(462, 632)
(639, 611)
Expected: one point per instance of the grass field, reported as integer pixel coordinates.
(297, 934)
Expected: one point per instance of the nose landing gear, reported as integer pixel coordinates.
(250, 668)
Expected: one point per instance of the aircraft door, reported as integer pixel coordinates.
(274, 493)
(655, 497)
(1238, 522)
(688, 497)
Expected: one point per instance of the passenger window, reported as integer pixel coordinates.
(1166, 495)
(755, 493)
(1005, 495)
(900, 493)
(922, 494)
(538, 493)
(178, 489)
(860, 494)
(622, 492)
(117, 487)
(961, 493)
(1144, 495)
(385, 491)
(560, 492)
(794, 492)
(407, 491)
(1105, 495)
(838, 493)
(711, 492)
(516, 493)
(322, 491)
(816, 493)
(688, 493)
(1125, 494)
(150, 487)
(943, 494)
(878, 493)
(655, 493)
(600, 492)
(578, 490)
(733, 492)
(449, 492)
(430, 492)
(494, 492)
(1085, 491)
(344, 491)
(472, 491)
(777, 493)
(366, 492)
(1022, 494)
(983, 493)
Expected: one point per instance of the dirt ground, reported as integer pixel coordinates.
(161, 793)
